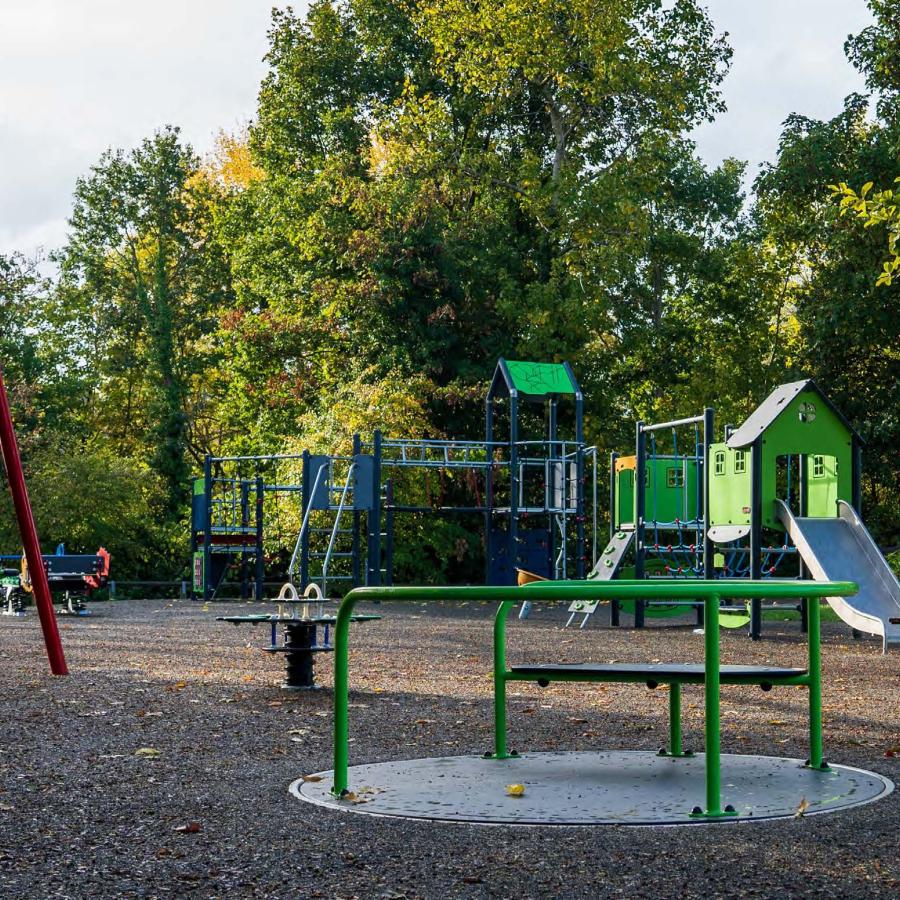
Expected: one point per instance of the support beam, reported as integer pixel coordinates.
(640, 503)
(28, 532)
(755, 535)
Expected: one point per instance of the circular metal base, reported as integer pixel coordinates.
(593, 788)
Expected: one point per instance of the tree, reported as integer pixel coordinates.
(43, 384)
(437, 185)
(20, 288)
(847, 325)
(142, 281)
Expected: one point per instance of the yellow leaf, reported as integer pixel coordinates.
(147, 753)
(515, 790)
(802, 808)
(312, 778)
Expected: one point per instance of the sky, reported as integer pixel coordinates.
(80, 76)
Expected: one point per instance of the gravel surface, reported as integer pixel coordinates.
(82, 815)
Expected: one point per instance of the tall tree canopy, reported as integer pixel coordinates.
(847, 323)
(442, 182)
(142, 284)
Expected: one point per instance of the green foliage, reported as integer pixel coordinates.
(847, 325)
(427, 186)
(894, 562)
(86, 497)
(141, 281)
(878, 208)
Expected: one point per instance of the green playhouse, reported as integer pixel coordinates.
(778, 496)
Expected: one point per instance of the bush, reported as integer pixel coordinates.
(88, 497)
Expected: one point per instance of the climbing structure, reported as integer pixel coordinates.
(329, 519)
(777, 497)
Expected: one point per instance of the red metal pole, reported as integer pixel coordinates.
(29, 536)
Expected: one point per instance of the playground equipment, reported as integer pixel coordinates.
(779, 496)
(683, 507)
(74, 575)
(527, 487)
(300, 633)
(603, 787)
(837, 548)
(28, 532)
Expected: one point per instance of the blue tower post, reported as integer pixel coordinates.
(579, 476)
(260, 549)
(373, 544)
(305, 500)
(513, 535)
(355, 559)
(639, 512)
(207, 527)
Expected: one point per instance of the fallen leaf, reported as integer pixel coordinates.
(802, 808)
(425, 722)
(365, 795)
(147, 753)
(515, 790)
(190, 828)
(312, 778)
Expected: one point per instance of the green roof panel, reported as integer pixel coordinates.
(540, 379)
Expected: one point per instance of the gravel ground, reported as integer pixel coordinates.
(82, 816)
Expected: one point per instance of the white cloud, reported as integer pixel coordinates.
(78, 77)
(788, 57)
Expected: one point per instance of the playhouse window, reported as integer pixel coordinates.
(818, 466)
(674, 477)
(740, 462)
(719, 462)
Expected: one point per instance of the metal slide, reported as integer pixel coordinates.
(606, 569)
(842, 549)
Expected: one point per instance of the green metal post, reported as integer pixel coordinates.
(816, 756)
(500, 749)
(341, 695)
(712, 715)
(675, 720)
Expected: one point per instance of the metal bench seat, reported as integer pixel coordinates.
(653, 674)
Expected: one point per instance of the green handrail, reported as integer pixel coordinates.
(711, 592)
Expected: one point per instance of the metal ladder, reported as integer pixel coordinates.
(336, 529)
